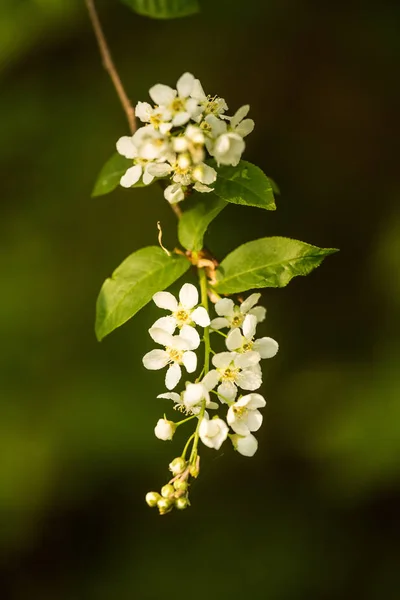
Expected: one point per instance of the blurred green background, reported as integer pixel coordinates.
(315, 513)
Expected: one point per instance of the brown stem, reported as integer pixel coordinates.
(109, 65)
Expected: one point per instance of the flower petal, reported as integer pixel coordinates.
(240, 115)
(189, 359)
(245, 127)
(180, 118)
(234, 339)
(249, 326)
(156, 359)
(174, 193)
(193, 394)
(227, 391)
(197, 91)
(200, 316)
(222, 359)
(170, 396)
(188, 296)
(250, 302)
(185, 85)
(254, 420)
(159, 169)
(191, 337)
(249, 380)
(165, 300)
(147, 176)
(131, 176)
(211, 379)
(162, 337)
(247, 445)
(143, 111)
(259, 312)
(266, 347)
(224, 307)
(173, 376)
(219, 323)
(126, 147)
(252, 401)
(247, 359)
(168, 324)
(162, 94)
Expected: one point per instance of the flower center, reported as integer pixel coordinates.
(247, 346)
(230, 374)
(182, 316)
(237, 320)
(240, 411)
(177, 105)
(175, 355)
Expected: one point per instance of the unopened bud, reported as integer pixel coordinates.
(152, 498)
(181, 486)
(167, 491)
(165, 505)
(181, 503)
(177, 466)
(194, 470)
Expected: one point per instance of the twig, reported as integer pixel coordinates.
(109, 65)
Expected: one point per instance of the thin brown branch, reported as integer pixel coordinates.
(109, 65)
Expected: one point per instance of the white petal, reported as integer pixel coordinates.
(219, 323)
(193, 394)
(185, 85)
(203, 189)
(203, 433)
(227, 391)
(173, 376)
(266, 347)
(254, 420)
(131, 177)
(247, 359)
(239, 427)
(191, 336)
(179, 343)
(170, 396)
(240, 115)
(200, 316)
(168, 324)
(189, 359)
(259, 312)
(197, 91)
(180, 119)
(247, 446)
(162, 94)
(159, 169)
(147, 176)
(234, 340)
(143, 111)
(162, 337)
(224, 307)
(165, 127)
(188, 296)
(249, 380)
(156, 359)
(126, 147)
(204, 174)
(211, 379)
(249, 326)
(174, 193)
(222, 360)
(245, 127)
(252, 401)
(165, 300)
(249, 302)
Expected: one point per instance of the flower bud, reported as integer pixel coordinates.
(165, 505)
(194, 470)
(181, 486)
(165, 429)
(152, 498)
(167, 491)
(181, 503)
(177, 466)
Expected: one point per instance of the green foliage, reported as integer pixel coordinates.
(245, 184)
(164, 9)
(267, 262)
(133, 284)
(111, 174)
(193, 224)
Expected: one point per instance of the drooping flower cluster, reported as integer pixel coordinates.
(182, 130)
(236, 368)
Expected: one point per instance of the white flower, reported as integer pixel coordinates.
(158, 117)
(151, 144)
(243, 416)
(236, 370)
(228, 149)
(184, 311)
(213, 432)
(196, 393)
(245, 445)
(239, 124)
(180, 104)
(233, 316)
(178, 351)
(265, 347)
(226, 143)
(164, 429)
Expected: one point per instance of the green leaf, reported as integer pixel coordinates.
(245, 184)
(195, 220)
(164, 9)
(111, 174)
(133, 284)
(268, 262)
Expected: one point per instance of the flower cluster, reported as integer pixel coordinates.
(235, 368)
(182, 130)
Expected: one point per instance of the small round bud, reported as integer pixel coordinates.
(181, 503)
(194, 470)
(177, 466)
(152, 498)
(167, 491)
(165, 429)
(165, 506)
(181, 486)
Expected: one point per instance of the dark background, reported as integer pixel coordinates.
(315, 513)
